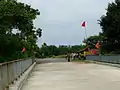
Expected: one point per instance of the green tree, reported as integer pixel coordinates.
(110, 24)
(77, 48)
(17, 16)
(52, 50)
(92, 40)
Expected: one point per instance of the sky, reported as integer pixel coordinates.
(61, 19)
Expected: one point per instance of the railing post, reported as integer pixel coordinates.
(1, 87)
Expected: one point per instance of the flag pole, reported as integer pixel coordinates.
(84, 25)
(85, 32)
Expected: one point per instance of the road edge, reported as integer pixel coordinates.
(108, 64)
(18, 84)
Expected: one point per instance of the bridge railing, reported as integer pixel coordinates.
(114, 59)
(11, 71)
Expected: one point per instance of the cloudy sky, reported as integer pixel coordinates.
(61, 19)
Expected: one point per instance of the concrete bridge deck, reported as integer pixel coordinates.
(73, 76)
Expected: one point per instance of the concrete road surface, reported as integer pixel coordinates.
(73, 76)
(50, 60)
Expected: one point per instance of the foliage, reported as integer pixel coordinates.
(92, 40)
(53, 51)
(17, 29)
(110, 24)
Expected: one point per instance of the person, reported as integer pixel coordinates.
(73, 56)
(85, 53)
(68, 57)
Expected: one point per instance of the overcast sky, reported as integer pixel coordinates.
(61, 19)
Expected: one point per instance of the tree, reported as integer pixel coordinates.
(92, 40)
(52, 50)
(17, 16)
(77, 48)
(39, 32)
(110, 24)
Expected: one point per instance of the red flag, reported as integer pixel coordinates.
(23, 50)
(83, 24)
(97, 45)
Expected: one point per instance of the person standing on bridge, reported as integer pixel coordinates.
(68, 57)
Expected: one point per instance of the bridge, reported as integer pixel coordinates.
(58, 74)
